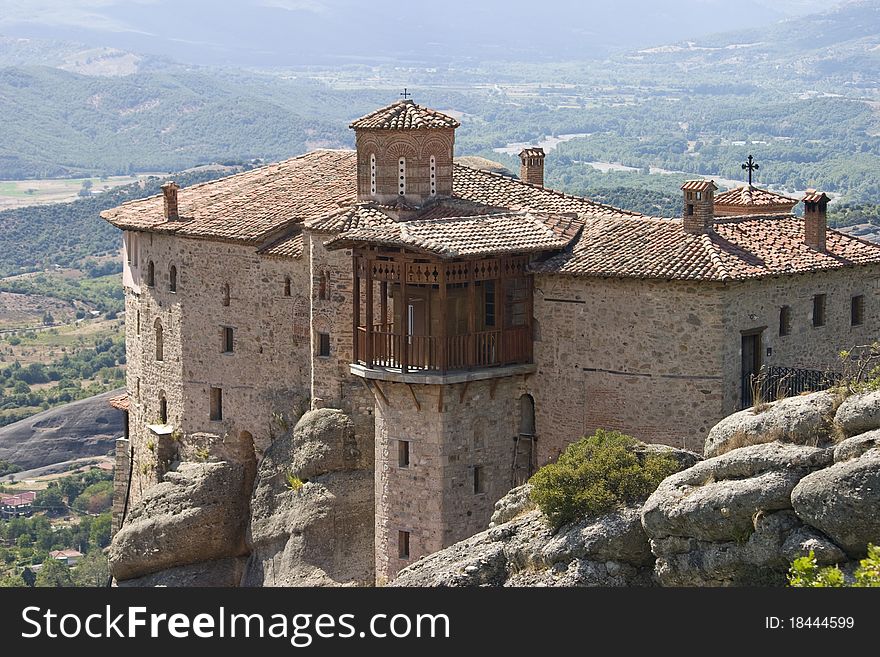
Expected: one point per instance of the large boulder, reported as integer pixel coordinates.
(516, 502)
(717, 499)
(803, 420)
(843, 501)
(312, 507)
(610, 550)
(854, 447)
(760, 560)
(198, 513)
(859, 413)
(219, 573)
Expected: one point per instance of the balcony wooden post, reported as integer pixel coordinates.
(500, 303)
(383, 302)
(472, 317)
(444, 312)
(403, 336)
(530, 311)
(368, 312)
(356, 308)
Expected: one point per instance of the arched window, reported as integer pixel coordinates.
(226, 294)
(526, 415)
(433, 176)
(287, 286)
(401, 166)
(160, 347)
(151, 274)
(163, 408)
(172, 279)
(372, 173)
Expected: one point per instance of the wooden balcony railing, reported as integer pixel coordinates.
(429, 353)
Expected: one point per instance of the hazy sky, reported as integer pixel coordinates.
(261, 32)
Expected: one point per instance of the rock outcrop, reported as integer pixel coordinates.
(88, 427)
(802, 420)
(312, 507)
(197, 514)
(859, 413)
(843, 502)
(521, 549)
(219, 573)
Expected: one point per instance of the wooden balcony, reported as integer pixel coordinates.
(387, 348)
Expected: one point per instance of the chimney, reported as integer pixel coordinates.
(815, 219)
(699, 205)
(531, 168)
(169, 191)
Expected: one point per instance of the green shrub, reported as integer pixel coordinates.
(293, 482)
(806, 573)
(596, 475)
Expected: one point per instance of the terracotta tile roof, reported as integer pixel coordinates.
(248, 206)
(356, 216)
(812, 196)
(751, 246)
(754, 197)
(404, 115)
(506, 192)
(287, 246)
(478, 235)
(532, 152)
(699, 185)
(119, 401)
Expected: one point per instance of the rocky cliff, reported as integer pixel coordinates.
(802, 474)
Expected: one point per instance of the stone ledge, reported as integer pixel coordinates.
(433, 378)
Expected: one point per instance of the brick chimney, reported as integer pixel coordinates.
(699, 205)
(815, 219)
(531, 168)
(169, 191)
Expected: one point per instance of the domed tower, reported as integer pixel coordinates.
(404, 151)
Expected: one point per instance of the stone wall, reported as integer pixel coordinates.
(755, 305)
(434, 497)
(264, 380)
(633, 355)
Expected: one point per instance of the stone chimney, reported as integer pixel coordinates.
(699, 205)
(815, 219)
(531, 168)
(169, 191)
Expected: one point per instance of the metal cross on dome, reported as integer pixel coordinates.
(405, 94)
(751, 165)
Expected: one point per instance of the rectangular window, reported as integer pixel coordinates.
(479, 479)
(516, 295)
(403, 544)
(857, 310)
(228, 340)
(489, 303)
(403, 453)
(323, 344)
(784, 320)
(819, 310)
(216, 404)
(690, 209)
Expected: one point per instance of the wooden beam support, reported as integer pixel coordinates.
(381, 394)
(492, 387)
(368, 311)
(463, 392)
(356, 308)
(415, 399)
(440, 400)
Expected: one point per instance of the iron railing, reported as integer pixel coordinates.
(773, 383)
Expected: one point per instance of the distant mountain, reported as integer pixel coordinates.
(277, 33)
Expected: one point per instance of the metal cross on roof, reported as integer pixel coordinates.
(405, 94)
(751, 165)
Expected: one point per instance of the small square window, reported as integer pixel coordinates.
(403, 453)
(228, 340)
(403, 544)
(819, 310)
(216, 404)
(690, 209)
(857, 310)
(323, 344)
